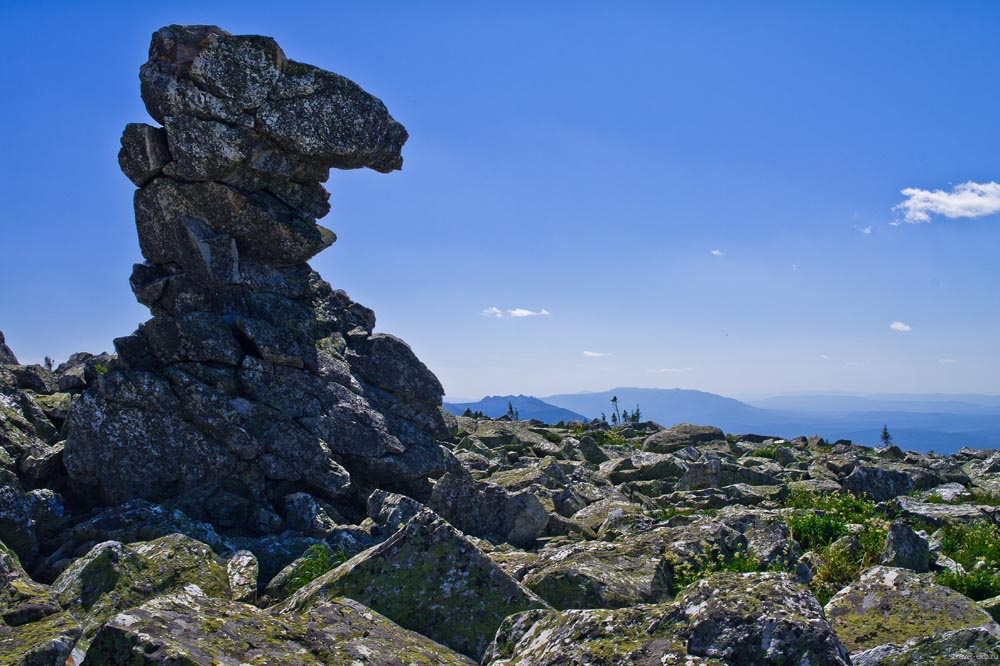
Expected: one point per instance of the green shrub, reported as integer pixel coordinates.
(816, 531)
(608, 438)
(822, 518)
(977, 549)
(686, 572)
(852, 509)
(766, 451)
(971, 545)
(315, 561)
(977, 584)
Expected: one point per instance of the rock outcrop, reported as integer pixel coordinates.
(254, 378)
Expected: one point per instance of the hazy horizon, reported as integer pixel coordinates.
(767, 199)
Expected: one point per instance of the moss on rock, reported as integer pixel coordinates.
(888, 605)
(428, 578)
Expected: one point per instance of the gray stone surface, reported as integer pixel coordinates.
(253, 374)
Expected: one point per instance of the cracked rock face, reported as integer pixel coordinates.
(254, 378)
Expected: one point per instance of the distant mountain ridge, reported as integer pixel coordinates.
(528, 407)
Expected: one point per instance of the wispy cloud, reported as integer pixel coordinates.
(592, 354)
(491, 312)
(947, 360)
(867, 230)
(665, 371)
(521, 312)
(900, 326)
(965, 200)
(825, 357)
(717, 253)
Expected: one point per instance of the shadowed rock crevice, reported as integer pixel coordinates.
(254, 375)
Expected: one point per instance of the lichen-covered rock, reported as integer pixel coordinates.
(242, 570)
(391, 510)
(17, 529)
(598, 574)
(489, 511)
(253, 374)
(680, 436)
(948, 648)
(428, 578)
(906, 549)
(935, 514)
(725, 618)
(113, 577)
(22, 600)
(48, 641)
(889, 605)
(715, 473)
(756, 618)
(191, 628)
(883, 482)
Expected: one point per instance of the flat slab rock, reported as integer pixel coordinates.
(190, 628)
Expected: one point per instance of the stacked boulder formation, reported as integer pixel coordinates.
(254, 379)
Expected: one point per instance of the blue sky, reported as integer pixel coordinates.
(586, 160)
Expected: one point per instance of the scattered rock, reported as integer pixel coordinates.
(189, 627)
(733, 618)
(680, 436)
(489, 511)
(906, 549)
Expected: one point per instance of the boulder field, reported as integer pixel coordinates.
(255, 476)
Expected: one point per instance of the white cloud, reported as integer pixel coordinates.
(717, 253)
(590, 354)
(867, 230)
(521, 312)
(491, 312)
(825, 357)
(965, 200)
(900, 326)
(664, 371)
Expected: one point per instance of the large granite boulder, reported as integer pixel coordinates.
(487, 510)
(253, 375)
(729, 618)
(191, 628)
(113, 577)
(428, 578)
(889, 605)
